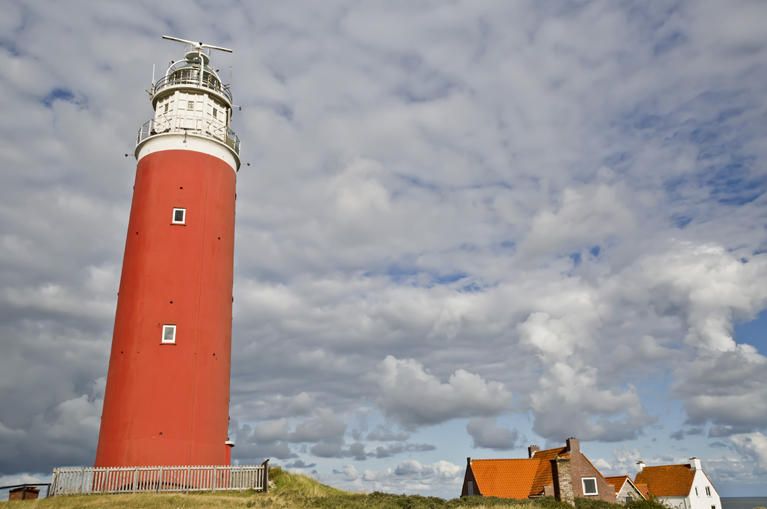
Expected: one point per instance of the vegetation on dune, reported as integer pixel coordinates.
(292, 491)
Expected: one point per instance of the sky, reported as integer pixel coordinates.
(463, 227)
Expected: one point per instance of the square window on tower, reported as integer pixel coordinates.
(169, 334)
(179, 216)
(190, 105)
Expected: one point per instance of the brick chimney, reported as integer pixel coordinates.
(532, 449)
(573, 445)
(695, 463)
(563, 481)
(640, 466)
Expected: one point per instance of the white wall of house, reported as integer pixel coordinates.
(675, 502)
(627, 493)
(703, 498)
(699, 497)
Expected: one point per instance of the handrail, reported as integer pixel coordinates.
(224, 135)
(192, 79)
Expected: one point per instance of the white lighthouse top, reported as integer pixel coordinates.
(192, 71)
(191, 104)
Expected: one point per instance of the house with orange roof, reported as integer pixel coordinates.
(625, 489)
(683, 486)
(563, 472)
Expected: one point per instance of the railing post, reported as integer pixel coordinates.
(54, 480)
(265, 464)
(215, 478)
(159, 481)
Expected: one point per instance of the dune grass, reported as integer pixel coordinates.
(293, 491)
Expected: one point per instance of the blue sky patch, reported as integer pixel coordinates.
(58, 94)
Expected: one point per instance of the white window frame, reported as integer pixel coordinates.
(168, 326)
(708, 491)
(173, 216)
(583, 486)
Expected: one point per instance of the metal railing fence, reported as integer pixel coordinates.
(191, 78)
(95, 480)
(225, 135)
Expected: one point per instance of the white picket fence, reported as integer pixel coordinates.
(93, 480)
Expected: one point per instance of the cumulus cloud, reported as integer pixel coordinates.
(486, 433)
(383, 434)
(754, 446)
(415, 397)
(408, 476)
(728, 389)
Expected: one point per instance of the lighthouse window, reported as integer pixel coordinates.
(166, 108)
(168, 334)
(215, 113)
(190, 105)
(179, 216)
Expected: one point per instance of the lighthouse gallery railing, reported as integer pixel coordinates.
(95, 480)
(207, 129)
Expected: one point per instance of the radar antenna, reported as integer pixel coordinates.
(199, 46)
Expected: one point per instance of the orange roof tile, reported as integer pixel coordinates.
(643, 489)
(617, 481)
(543, 476)
(505, 478)
(667, 480)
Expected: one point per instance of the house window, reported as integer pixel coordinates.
(169, 334)
(179, 216)
(589, 485)
(708, 490)
(696, 492)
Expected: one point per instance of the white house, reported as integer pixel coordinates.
(679, 486)
(625, 489)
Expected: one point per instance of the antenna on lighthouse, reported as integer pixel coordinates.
(198, 45)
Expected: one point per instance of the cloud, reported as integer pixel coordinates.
(486, 433)
(384, 434)
(301, 464)
(415, 397)
(390, 450)
(727, 388)
(409, 476)
(754, 446)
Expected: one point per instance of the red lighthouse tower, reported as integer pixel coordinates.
(167, 392)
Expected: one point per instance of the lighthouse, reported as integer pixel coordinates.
(167, 390)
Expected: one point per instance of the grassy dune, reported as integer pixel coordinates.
(292, 491)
